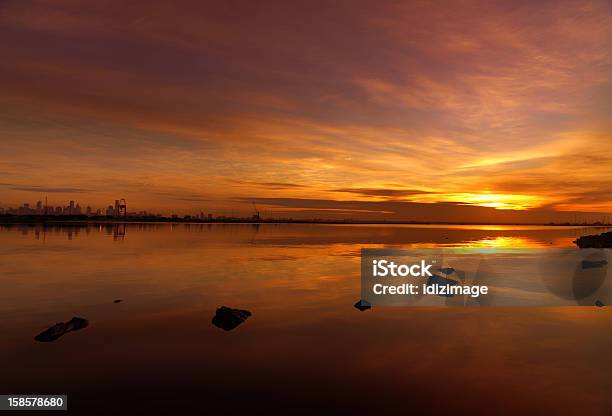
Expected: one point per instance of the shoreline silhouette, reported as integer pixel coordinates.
(72, 219)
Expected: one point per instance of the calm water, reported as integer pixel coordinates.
(305, 348)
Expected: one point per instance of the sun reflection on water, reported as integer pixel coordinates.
(506, 242)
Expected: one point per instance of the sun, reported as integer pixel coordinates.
(499, 201)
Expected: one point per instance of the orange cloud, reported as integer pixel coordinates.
(195, 107)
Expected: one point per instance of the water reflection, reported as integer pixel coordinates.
(119, 231)
(505, 242)
(301, 234)
(300, 281)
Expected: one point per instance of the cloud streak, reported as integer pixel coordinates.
(42, 189)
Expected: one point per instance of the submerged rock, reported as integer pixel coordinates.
(118, 301)
(363, 305)
(593, 264)
(59, 329)
(603, 240)
(229, 318)
(442, 281)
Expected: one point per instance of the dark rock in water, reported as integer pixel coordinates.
(76, 323)
(52, 333)
(59, 329)
(363, 305)
(229, 318)
(593, 264)
(447, 270)
(599, 304)
(118, 301)
(595, 241)
(442, 281)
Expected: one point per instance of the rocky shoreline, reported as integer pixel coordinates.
(603, 240)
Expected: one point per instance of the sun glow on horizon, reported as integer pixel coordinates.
(499, 201)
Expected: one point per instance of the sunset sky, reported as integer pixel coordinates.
(319, 108)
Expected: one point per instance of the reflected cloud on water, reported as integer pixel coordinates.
(301, 281)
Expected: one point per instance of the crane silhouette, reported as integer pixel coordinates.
(256, 216)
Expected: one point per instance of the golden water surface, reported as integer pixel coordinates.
(304, 349)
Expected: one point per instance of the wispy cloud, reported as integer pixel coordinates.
(271, 185)
(44, 189)
(381, 192)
